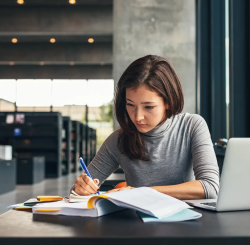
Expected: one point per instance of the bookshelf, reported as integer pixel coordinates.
(66, 143)
(75, 135)
(34, 134)
(92, 144)
(82, 142)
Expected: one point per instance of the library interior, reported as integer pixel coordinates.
(62, 65)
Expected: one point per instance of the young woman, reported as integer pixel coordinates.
(157, 145)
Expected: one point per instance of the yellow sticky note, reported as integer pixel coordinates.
(49, 198)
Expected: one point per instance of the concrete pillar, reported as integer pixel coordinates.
(161, 27)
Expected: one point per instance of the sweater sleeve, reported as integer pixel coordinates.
(106, 160)
(204, 160)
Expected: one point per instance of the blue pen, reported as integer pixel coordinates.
(86, 170)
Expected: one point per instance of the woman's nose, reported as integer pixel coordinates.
(139, 115)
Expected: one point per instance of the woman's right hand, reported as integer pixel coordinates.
(85, 186)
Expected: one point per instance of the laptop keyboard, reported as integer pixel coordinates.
(212, 204)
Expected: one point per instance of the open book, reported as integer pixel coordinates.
(143, 199)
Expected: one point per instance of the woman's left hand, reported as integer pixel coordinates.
(120, 189)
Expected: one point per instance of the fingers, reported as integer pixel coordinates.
(81, 191)
(90, 183)
(80, 187)
(85, 185)
(97, 182)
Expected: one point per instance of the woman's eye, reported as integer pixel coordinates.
(150, 107)
(129, 104)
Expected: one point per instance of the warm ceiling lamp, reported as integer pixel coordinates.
(71, 63)
(12, 63)
(20, 1)
(41, 63)
(72, 1)
(91, 40)
(14, 40)
(52, 40)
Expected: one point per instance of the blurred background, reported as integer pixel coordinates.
(60, 61)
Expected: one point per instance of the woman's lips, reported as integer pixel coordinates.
(142, 125)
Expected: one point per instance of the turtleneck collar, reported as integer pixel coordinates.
(160, 129)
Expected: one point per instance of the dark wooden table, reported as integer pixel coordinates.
(124, 227)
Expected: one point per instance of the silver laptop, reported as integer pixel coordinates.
(234, 193)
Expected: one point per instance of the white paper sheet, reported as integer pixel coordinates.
(145, 198)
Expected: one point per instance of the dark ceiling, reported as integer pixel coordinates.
(35, 22)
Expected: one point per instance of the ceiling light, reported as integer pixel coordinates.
(20, 1)
(102, 63)
(41, 63)
(91, 40)
(12, 63)
(52, 40)
(14, 40)
(72, 1)
(71, 63)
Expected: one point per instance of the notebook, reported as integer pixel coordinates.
(143, 199)
(184, 215)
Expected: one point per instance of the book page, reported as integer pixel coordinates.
(64, 208)
(61, 204)
(145, 198)
(104, 206)
(74, 198)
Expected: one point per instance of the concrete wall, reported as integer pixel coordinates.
(160, 27)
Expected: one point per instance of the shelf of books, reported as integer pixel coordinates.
(34, 134)
(74, 148)
(91, 144)
(82, 142)
(66, 143)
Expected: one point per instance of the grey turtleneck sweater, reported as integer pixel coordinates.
(180, 150)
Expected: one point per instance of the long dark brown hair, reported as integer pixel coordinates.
(157, 74)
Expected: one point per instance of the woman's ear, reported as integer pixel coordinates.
(167, 106)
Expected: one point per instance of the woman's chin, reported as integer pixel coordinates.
(143, 130)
